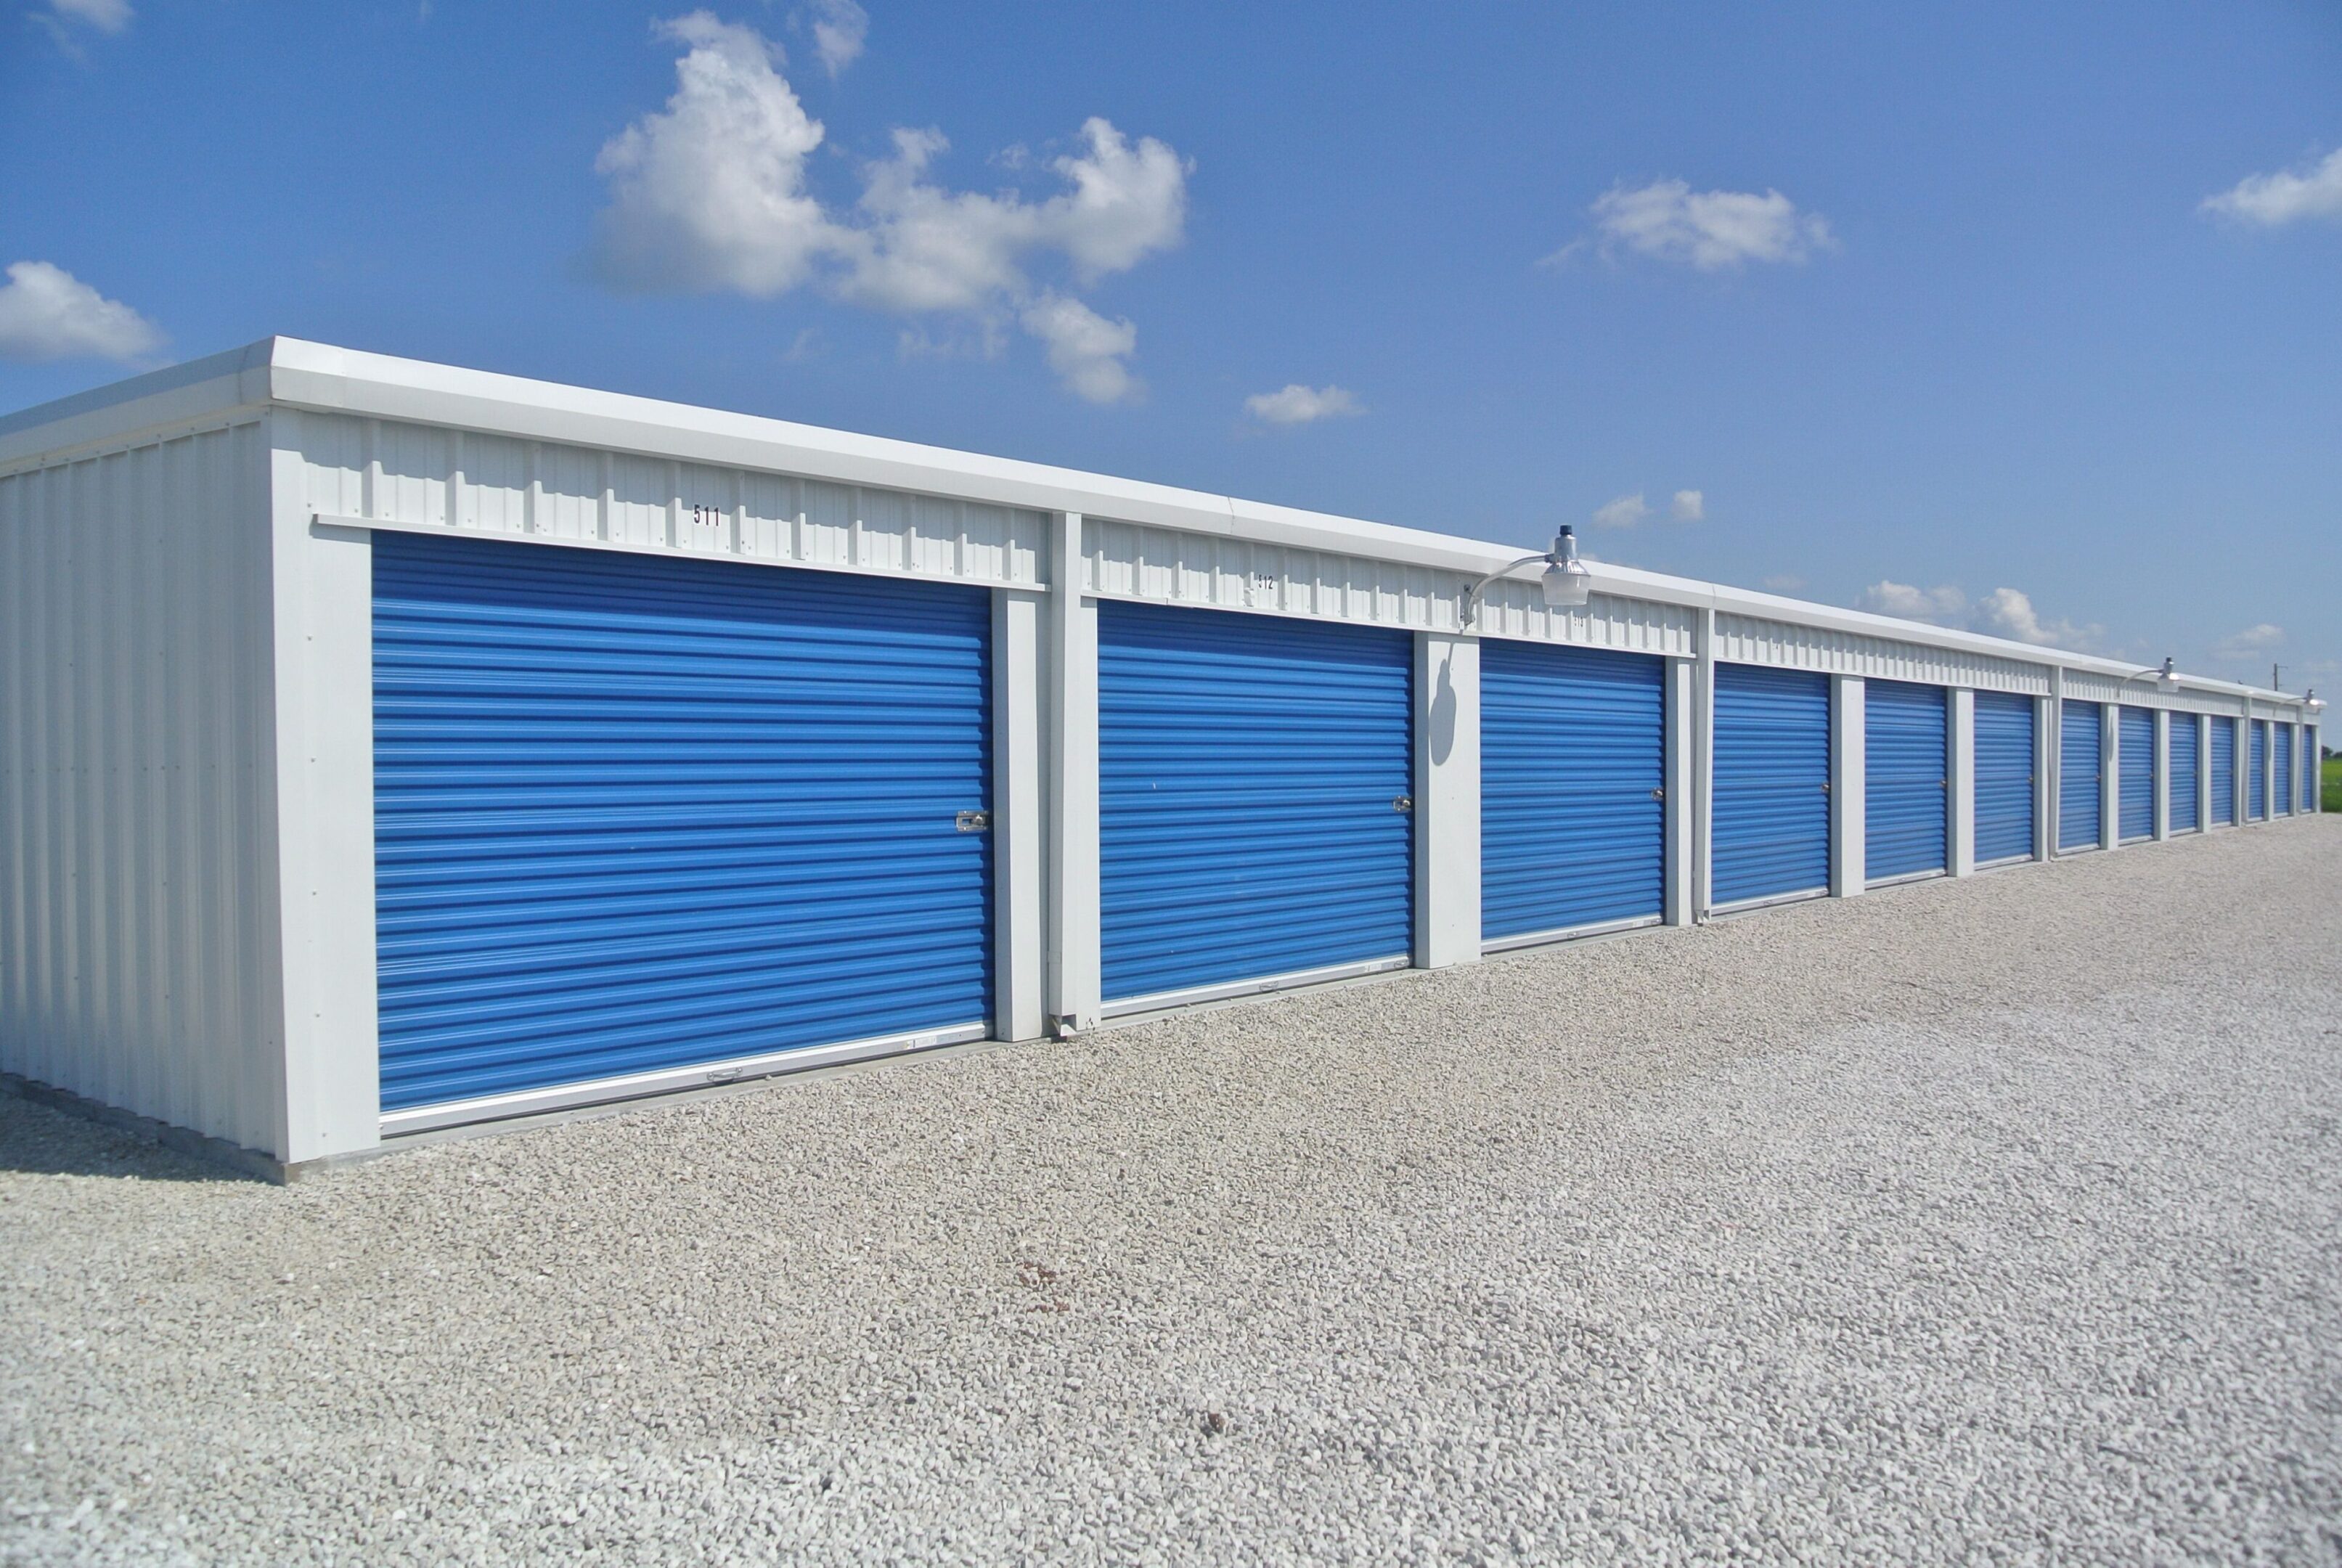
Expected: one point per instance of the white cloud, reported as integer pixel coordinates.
(1622, 513)
(2271, 200)
(2003, 613)
(1944, 606)
(47, 313)
(1298, 405)
(1689, 506)
(711, 194)
(1710, 230)
(2252, 642)
(105, 15)
(1085, 349)
(840, 28)
(2007, 613)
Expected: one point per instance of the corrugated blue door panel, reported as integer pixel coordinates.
(2257, 774)
(2284, 780)
(2135, 760)
(2186, 802)
(1247, 770)
(1772, 766)
(1572, 760)
(2004, 777)
(2080, 758)
(2224, 773)
(2313, 772)
(1906, 773)
(634, 813)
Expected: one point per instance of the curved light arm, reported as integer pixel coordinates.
(1472, 594)
(2163, 671)
(1567, 580)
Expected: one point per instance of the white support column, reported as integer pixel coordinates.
(1019, 838)
(1848, 787)
(2244, 769)
(2044, 778)
(2316, 801)
(1961, 806)
(2203, 733)
(1446, 800)
(2109, 774)
(324, 601)
(1072, 743)
(1682, 804)
(2162, 774)
(1703, 766)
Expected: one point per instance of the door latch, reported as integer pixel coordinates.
(974, 821)
(1659, 794)
(1403, 803)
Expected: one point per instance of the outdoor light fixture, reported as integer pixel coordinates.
(2312, 701)
(2163, 674)
(1567, 581)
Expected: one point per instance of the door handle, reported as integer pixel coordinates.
(974, 821)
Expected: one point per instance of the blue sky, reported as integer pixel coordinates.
(2016, 316)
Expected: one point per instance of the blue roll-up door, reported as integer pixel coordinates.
(1772, 774)
(2135, 759)
(2285, 770)
(2004, 777)
(2186, 797)
(1253, 777)
(2313, 771)
(2224, 773)
(2257, 774)
(1573, 755)
(1906, 773)
(2080, 757)
(636, 813)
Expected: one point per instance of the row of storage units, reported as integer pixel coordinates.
(537, 747)
(637, 816)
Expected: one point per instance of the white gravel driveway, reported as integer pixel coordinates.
(1990, 1222)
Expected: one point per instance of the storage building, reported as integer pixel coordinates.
(386, 747)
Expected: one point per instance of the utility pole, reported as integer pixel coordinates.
(2274, 686)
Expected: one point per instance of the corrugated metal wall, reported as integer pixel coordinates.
(421, 475)
(1744, 640)
(138, 961)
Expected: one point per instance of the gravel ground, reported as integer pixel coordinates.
(1988, 1221)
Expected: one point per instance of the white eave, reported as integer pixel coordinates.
(289, 373)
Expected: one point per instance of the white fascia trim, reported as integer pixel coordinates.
(295, 374)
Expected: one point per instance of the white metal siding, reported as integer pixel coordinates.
(1211, 571)
(1745, 639)
(384, 471)
(138, 961)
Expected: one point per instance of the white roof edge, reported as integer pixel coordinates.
(297, 373)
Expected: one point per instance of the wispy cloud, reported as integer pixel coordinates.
(1298, 405)
(2254, 643)
(1712, 231)
(2003, 613)
(2271, 201)
(47, 313)
(840, 28)
(1624, 511)
(1689, 506)
(713, 193)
